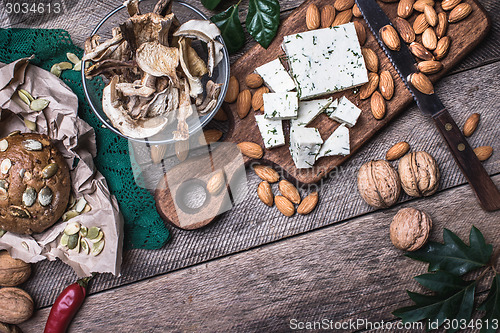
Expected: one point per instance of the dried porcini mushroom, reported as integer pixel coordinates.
(379, 184)
(410, 229)
(419, 174)
(158, 60)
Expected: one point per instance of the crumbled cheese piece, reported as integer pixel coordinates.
(271, 131)
(275, 76)
(337, 143)
(305, 143)
(309, 110)
(345, 112)
(282, 105)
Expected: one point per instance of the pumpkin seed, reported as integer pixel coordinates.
(5, 166)
(25, 96)
(14, 133)
(71, 202)
(98, 238)
(93, 232)
(73, 241)
(78, 245)
(56, 70)
(29, 196)
(32, 145)
(69, 215)
(64, 240)
(84, 231)
(73, 58)
(72, 228)
(25, 245)
(4, 195)
(20, 212)
(39, 104)
(31, 125)
(2, 232)
(22, 172)
(45, 196)
(85, 246)
(4, 144)
(87, 209)
(3, 184)
(65, 65)
(80, 205)
(97, 248)
(50, 170)
(77, 67)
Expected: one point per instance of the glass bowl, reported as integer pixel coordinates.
(184, 12)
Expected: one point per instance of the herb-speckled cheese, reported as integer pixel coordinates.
(326, 60)
(345, 112)
(308, 110)
(282, 105)
(275, 76)
(271, 131)
(337, 143)
(305, 143)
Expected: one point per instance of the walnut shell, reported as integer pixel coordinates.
(16, 305)
(13, 272)
(410, 229)
(379, 184)
(419, 174)
(6, 328)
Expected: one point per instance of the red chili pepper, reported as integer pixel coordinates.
(66, 306)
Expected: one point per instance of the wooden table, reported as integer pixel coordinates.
(254, 269)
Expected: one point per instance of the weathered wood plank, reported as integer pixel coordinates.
(251, 224)
(341, 273)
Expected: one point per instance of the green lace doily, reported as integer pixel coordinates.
(143, 226)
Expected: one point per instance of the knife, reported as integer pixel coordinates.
(405, 64)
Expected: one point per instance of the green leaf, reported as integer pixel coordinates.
(454, 256)
(492, 307)
(441, 282)
(263, 20)
(210, 4)
(230, 26)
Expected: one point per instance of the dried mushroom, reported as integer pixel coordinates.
(410, 229)
(419, 174)
(155, 75)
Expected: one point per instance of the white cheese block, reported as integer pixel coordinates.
(308, 110)
(337, 143)
(271, 131)
(331, 108)
(275, 76)
(345, 112)
(305, 143)
(282, 105)
(326, 60)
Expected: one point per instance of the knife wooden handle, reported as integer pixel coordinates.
(486, 191)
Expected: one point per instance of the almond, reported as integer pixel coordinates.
(430, 15)
(356, 12)
(266, 173)
(389, 1)
(405, 8)
(327, 16)
(289, 191)
(341, 5)
(368, 88)
(377, 103)
(284, 205)
(442, 25)
(420, 51)
(470, 124)
(483, 152)
(422, 83)
(386, 85)
(308, 204)
(158, 152)
(390, 37)
(442, 47)
(254, 80)
(313, 18)
(361, 32)
(429, 66)
(460, 12)
(265, 193)
(216, 183)
(405, 30)
(220, 115)
(233, 89)
(342, 17)
(419, 5)
(397, 151)
(429, 39)
(244, 103)
(371, 59)
(251, 149)
(420, 24)
(449, 4)
(182, 149)
(209, 136)
(257, 99)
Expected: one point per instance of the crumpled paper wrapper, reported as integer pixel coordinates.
(75, 139)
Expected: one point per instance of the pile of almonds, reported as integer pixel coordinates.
(246, 99)
(289, 193)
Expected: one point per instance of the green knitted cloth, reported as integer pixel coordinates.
(143, 226)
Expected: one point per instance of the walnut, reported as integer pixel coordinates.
(419, 174)
(379, 184)
(410, 229)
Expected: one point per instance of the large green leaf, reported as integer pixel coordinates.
(454, 256)
(210, 4)
(263, 20)
(441, 282)
(230, 26)
(492, 307)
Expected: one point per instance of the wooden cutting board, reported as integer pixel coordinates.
(465, 35)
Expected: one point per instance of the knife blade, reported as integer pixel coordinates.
(405, 65)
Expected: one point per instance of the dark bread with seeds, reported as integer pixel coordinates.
(35, 183)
